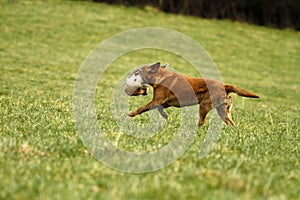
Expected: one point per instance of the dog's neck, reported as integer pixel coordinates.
(161, 76)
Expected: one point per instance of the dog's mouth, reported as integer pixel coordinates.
(139, 91)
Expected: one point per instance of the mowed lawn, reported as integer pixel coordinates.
(42, 45)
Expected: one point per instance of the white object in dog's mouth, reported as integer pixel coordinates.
(138, 91)
(134, 85)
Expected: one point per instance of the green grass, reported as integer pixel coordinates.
(42, 45)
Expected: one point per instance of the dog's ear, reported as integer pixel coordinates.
(153, 68)
(165, 65)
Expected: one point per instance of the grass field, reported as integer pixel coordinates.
(42, 45)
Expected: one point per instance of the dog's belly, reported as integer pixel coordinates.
(180, 103)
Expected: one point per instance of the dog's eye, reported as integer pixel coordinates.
(134, 79)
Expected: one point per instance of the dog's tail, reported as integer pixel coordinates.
(240, 91)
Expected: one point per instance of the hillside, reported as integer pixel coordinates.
(44, 43)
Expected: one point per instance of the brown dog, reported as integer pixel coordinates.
(173, 89)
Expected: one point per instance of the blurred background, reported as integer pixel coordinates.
(273, 13)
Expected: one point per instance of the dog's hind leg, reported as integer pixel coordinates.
(229, 105)
(224, 112)
(203, 110)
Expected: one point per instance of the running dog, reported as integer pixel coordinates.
(178, 90)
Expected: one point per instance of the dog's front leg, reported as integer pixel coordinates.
(162, 112)
(147, 107)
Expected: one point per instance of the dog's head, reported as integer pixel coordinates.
(136, 83)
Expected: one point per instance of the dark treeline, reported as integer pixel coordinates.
(274, 13)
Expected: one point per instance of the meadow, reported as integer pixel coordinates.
(42, 46)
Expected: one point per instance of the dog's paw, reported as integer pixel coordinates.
(131, 114)
(200, 123)
(163, 113)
